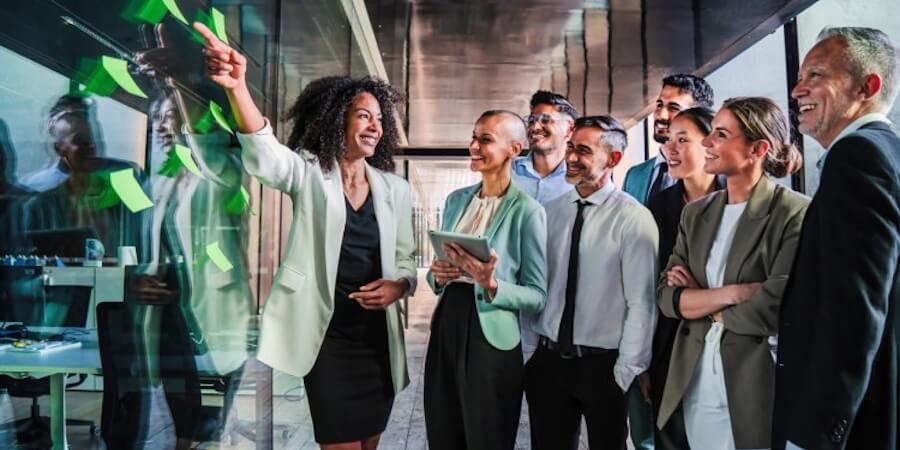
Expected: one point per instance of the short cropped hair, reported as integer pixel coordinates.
(870, 51)
(614, 135)
(557, 101)
(699, 89)
(518, 131)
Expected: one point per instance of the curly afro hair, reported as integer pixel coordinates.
(320, 119)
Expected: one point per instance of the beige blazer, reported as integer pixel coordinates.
(765, 242)
(299, 307)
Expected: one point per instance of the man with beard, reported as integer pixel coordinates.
(542, 173)
(679, 92)
(596, 329)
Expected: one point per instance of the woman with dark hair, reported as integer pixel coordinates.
(725, 278)
(685, 154)
(331, 316)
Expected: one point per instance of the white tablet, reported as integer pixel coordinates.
(476, 245)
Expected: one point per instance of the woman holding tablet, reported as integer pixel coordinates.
(473, 371)
(331, 316)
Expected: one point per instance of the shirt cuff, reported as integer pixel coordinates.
(792, 446)
(265, 130)
(623, 375)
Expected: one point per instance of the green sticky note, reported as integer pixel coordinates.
(217, 114)
(218, 22)
(171, 166)
(118, 70)
(129, 191)
(238, 203)
(187, 160)
(218, 258)
(144, 11)
(175, 10)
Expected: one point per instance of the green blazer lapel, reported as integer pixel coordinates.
(509, 200)
(750, 228)
(705, 234)
(456, 208)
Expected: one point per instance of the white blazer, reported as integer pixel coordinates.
(301, 302)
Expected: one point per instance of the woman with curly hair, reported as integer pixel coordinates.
(331, 316)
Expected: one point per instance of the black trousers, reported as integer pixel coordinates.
(473, 391)
(673, 436)
(560, 391)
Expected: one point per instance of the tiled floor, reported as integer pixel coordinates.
(406, 428)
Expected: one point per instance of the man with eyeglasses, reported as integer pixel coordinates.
(596, 329)
(679, 92)
(542, 173)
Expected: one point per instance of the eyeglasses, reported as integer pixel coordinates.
(544, 119)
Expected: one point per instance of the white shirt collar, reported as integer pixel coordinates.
(853, 127)
(597, 198)
(859, 123)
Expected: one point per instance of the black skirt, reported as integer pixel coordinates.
(349, 388)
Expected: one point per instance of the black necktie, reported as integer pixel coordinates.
(567, 324)
(658, 182)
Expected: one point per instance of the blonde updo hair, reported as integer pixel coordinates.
(761, 119)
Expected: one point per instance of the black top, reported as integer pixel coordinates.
(360, 263)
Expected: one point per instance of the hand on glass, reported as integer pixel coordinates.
(379, 294)
(680, 276)
(444, 272)
(481, 272)
(226, 66)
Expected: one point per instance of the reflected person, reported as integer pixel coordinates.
(332, 315)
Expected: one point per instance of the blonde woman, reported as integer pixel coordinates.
(725, 279)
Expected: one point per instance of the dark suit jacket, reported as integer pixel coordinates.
(838, 351)
(764, 245)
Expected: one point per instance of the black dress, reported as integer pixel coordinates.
(349, 388)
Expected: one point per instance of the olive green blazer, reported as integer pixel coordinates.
(765, 242)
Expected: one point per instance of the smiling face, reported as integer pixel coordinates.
(588, 160)
(670, 102)
(168, 122)
(492, 147)
(73, 141)
(728, 152)
(548, 129)
(363, 126)
(684, 151)
(828, 96)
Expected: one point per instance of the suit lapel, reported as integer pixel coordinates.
(455, 209)
(384, 208)
(707, 227)
(336, 218)
(510, 199)
(750, 228)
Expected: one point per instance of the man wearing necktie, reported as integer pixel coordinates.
(597, 327)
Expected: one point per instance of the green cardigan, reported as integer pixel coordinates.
(518, 234)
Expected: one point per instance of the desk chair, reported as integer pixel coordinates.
(25, 299)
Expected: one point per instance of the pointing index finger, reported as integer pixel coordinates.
(207, 34)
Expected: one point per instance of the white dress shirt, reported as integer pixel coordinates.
(615, 303)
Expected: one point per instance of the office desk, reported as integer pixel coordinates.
(56, 364)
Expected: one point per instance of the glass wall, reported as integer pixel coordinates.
(130, 234)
